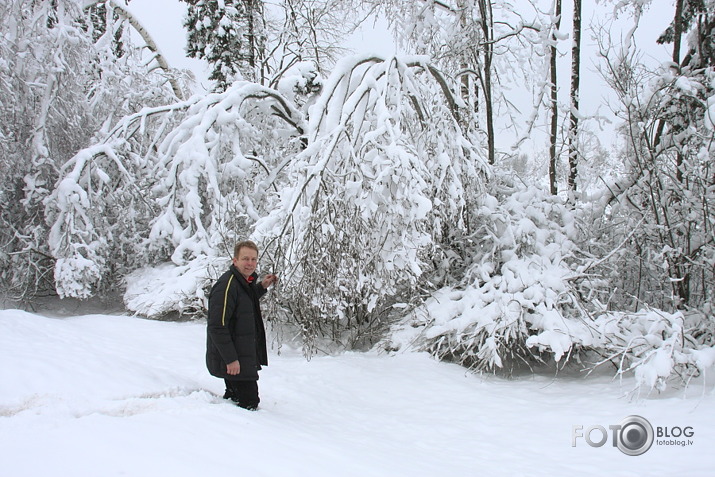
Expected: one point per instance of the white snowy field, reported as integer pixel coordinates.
(105, 395)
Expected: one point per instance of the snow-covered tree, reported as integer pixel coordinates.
(230, 35)
(375, 200)
(369, 191)
(61, 82)
(381, 165)
(520, 301)
(514, 307)
(216, 168)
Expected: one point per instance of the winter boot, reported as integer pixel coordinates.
(229, 394)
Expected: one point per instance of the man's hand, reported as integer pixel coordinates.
(269, 280)
(233, 368)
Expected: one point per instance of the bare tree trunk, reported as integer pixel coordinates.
(465, 80)
(678, 33)
(253, 51)
(575, 80)
(683, 285)
(487, 24)
(251, 35)
(554, 106)
(677, 38)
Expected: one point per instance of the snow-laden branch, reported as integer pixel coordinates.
(146, 36)
(194, 171)
(349, 71)
(355, 98)
(133, 123)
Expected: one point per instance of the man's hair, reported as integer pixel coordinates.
(244, 244)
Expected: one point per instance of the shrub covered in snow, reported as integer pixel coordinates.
(530, 296)
(518, 298)
(656, 346)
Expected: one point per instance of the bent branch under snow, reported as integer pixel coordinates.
(150, 43)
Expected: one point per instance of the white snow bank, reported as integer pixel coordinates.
(117, 395)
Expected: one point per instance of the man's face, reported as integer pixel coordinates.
(246, 261)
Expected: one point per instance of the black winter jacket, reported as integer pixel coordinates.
(235, 329)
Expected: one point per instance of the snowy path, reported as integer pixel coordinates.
(113, 395)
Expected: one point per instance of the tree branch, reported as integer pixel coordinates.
(150, 43)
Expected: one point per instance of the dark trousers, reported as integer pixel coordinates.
(243, 393)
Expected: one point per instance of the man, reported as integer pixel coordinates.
(236, 338)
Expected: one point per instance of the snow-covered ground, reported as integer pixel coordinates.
(116, 395)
